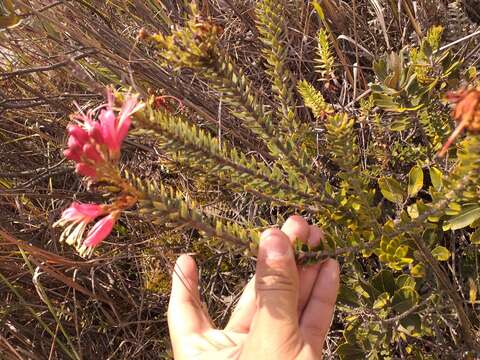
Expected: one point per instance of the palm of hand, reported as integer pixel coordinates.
(284, 312)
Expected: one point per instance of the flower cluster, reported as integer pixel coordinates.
(75, 220)
(94, 145)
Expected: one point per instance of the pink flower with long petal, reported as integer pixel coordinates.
(75, 219)
(100, 230)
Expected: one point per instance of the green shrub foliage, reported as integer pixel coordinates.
(367, 173)
(391, 209)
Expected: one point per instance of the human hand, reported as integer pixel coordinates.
(284, 312)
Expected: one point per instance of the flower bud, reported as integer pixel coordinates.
(91, 153)
(85, 170)
(78, 133)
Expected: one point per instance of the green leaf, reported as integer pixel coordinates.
(475, 237)
(412, 324)
(441, 253)
(350, 351)
(415, 180)
(412, 211)
(418, 271)
(347, 296)
(404, 299)
(391, 189)
(464, 219)
(381, 301)
(384, 282)
(436, 177)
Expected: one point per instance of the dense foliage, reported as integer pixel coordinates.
(337, 112)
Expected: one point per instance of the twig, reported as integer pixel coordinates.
(6, 75)
(406, 313)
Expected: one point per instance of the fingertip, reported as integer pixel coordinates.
(332, 269)
(316, 236)
(184, 277)
(296, 228)
(185, 313)
(186, 264)
(274, 244)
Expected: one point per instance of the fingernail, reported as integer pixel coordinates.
(274, 247)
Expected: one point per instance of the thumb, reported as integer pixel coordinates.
(276, 285)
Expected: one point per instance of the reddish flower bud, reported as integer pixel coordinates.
(108, 123)
(71, 154)
(78, 133)
(85, 170)
(95, 131)
(91, 153)
(73, 142)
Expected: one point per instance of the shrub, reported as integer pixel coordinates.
(371, 171)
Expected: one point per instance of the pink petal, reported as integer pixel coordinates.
(91, 153)
(73, 142)
(78, 133)
(109, 132)
(70, 214)
(72, 154)
(85, 170)
(91, 210)
(122, 130)
(127, 109)
(95, 131)
(100, 231)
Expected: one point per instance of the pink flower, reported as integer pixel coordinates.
(100, 230)
(77, 133)
(75, 219)
(92, 143)
(91, 153)
(72, 154)
(81, 210)
(115, 127)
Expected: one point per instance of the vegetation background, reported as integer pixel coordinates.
(56, 305)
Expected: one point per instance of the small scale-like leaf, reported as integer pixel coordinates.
(441, 253)
(391, 189)
(415, 180)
